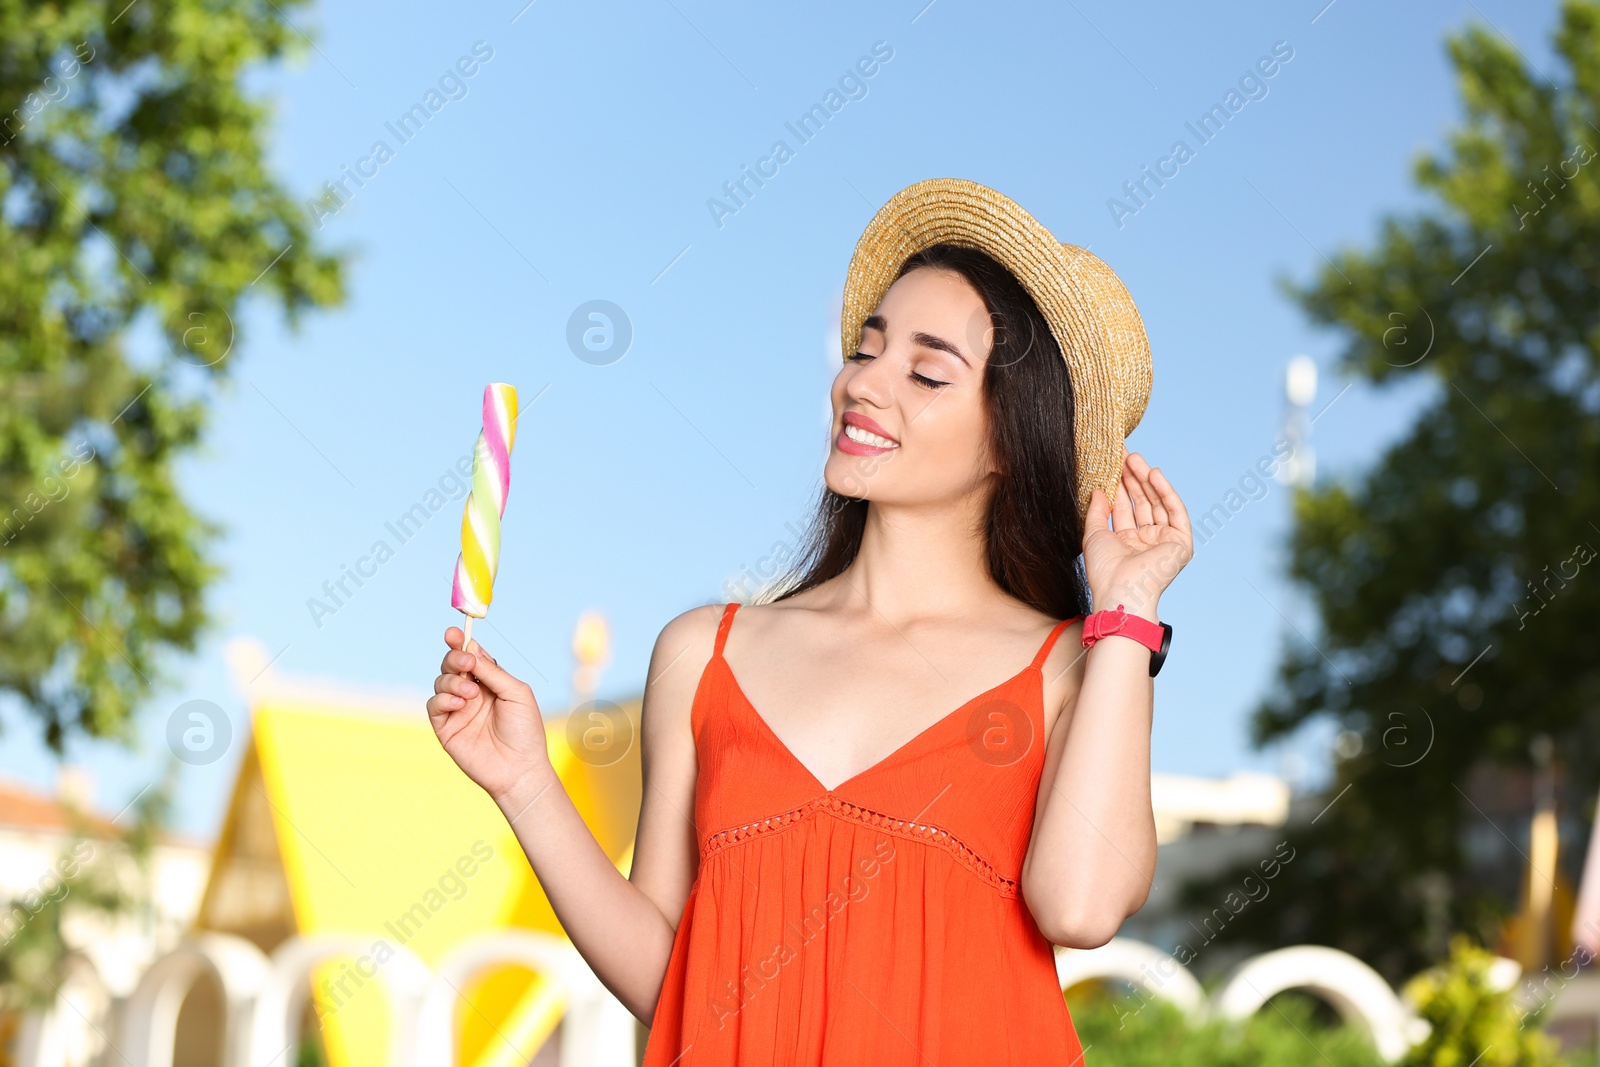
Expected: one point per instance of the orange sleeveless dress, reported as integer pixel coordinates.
(879, 922)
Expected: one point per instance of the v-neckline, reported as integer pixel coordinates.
(755, 713)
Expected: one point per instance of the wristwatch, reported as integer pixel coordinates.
(1157, 637)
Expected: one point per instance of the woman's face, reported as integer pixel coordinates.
(913, 397)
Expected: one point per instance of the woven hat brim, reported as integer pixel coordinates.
(1089, 310)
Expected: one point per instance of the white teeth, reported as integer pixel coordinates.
(856, 433)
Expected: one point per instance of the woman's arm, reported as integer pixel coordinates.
(1092, 856)
(489, 723)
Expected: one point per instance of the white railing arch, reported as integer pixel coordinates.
(1357, 992)
(148, 1019)
(65, 1034)
(265, 998)
(1143, 966)
(596, 1030)
(279, 1007)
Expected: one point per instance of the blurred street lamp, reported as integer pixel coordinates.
(1539, 889)
(1300, 389)
(591, 647)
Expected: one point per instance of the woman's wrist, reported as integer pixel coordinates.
(530, 786)
(1134, 603)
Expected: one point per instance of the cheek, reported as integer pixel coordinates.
(953, 428)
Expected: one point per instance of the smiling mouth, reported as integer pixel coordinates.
(871, 440)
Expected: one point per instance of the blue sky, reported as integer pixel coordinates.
(576, 162)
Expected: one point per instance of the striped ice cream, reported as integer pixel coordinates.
(480, 522)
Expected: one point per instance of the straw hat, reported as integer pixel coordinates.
(1088, 308)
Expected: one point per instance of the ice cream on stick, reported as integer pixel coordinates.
(480, 521)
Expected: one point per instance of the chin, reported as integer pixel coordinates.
(852, 476)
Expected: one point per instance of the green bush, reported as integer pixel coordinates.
(1132, 1031)
(1472, 1022)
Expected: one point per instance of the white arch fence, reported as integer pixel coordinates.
(264, 998)
(1357, 992)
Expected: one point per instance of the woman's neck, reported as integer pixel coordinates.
(923, 560)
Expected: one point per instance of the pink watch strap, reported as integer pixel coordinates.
(1105, 623)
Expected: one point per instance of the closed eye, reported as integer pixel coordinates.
(920, 379)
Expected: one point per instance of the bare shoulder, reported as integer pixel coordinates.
(779, 616)
(681, 653)
(687, 632)
(1063, 674)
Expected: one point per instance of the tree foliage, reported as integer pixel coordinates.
(134, 200)
(1456, 580)
(1472, 1019)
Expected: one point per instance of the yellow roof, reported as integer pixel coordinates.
(378, 833)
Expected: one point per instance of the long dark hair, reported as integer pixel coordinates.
(1033, 533)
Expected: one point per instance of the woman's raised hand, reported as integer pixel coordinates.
(487, 720)
(1149, 541)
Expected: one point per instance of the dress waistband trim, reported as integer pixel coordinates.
(904, 828)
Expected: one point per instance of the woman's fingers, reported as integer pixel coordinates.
(457, 661)
(1154, 511)
(440, 703)
(477, 666)
(496, 679)
(454, 660)
(1138, 497)
(1121, 511)
(456, 684)
(1178, 515)
(1097, 515)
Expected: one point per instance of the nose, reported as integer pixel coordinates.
(869, 382)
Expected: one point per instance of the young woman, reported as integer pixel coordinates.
(874, 801)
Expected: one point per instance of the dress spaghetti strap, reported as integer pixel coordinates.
(1049, 642)
(722, 628)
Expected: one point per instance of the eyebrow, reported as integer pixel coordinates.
(926, 340)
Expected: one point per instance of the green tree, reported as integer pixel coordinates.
(1456, 580)
(133, 195)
